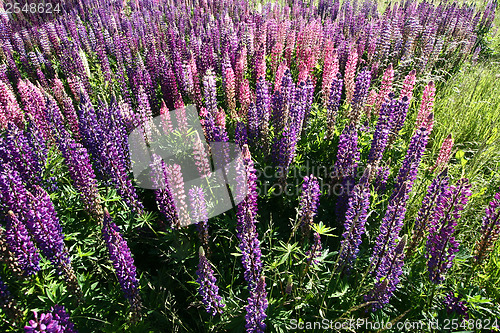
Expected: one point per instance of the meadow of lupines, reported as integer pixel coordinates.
(356, 208)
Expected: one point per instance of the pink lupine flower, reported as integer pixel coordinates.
(9, 108)
(176, 181)
(306, 64)
(180, 114)
(290, 46)
(220, 118)
(330, 69)
(244, 95)
(279, 76)
(260, 63)
(350, 73)
(370, 102)
(178, 102)
(34, 105)
(426, 106)
(385, 88)
(196, 81)
(444, 154)
(408, 86)
(276, 53)
(241, 66)
(200, 156)
(76, 86)
(230, 90)
(58, 90)
(165, 118)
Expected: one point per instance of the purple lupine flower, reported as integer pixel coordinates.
(163, 192)
(426, 213)
(354, 224)
(119, 176)
(253, 124)
(490, 230)
(414, 154)
(256, 308)
(20, 244)
(333, 103)
(45, 228)
(314, 252)
(199, 213)
(387, 277)
(345, 167)
(43, 323)
(396, 210)
(22, 152)
(399, 116)
(348, 154)
(210, 92)
(59, 313)
(454, 304)
(123, 263)
(208, 289)
(246, 214)
(7, 303)
(80, 170)
(390, 227)
(308, 203)
(250, 202)
(360, 94)
(441, 245)
(240, 134)
(56, 321)
(383, 129)
(104, 136)
(382, 176)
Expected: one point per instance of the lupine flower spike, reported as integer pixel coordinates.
(208, 288)
(309, 202)
(444, 154)
(490, 230)
(55, 321)
(123, 263)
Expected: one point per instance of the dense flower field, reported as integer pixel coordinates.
(353, 206)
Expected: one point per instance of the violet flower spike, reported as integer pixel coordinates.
(20, 244)
(490, 230)
(208, 289)
(123, 263)
(441, 244)
(256, 308)
(308, 204)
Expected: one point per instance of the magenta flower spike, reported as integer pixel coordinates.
(350, 74)
(426, 107)
(444, 154)
(385, 87)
